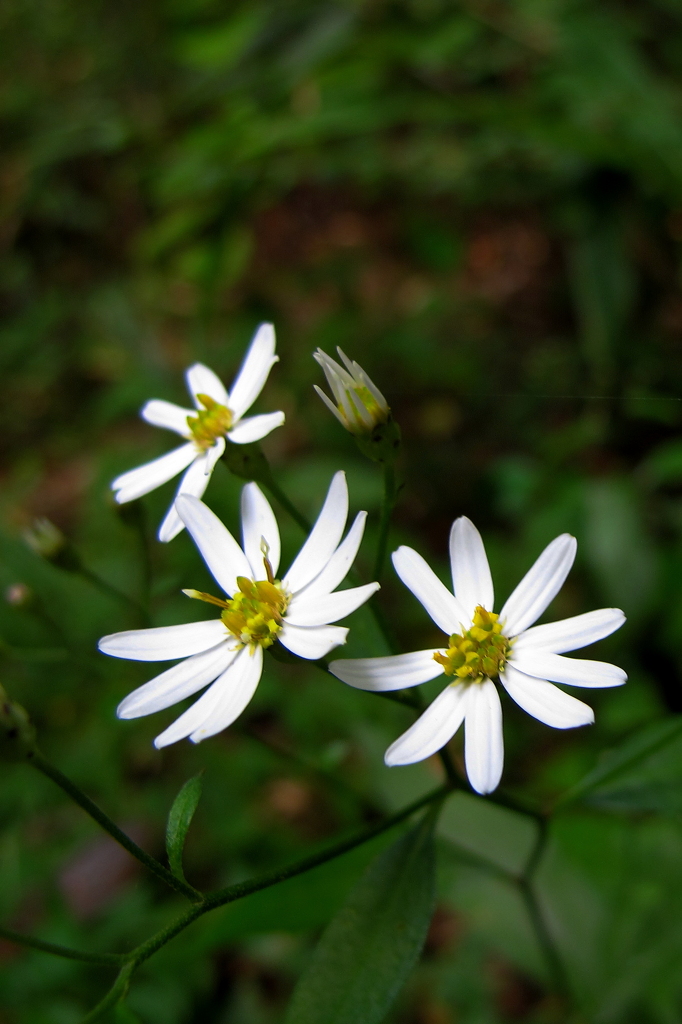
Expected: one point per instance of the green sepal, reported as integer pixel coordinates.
(17, 733)
(179, 819)
(382, 443)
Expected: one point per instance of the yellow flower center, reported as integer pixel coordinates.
(479, 653)
(254, 614)
(210, 423)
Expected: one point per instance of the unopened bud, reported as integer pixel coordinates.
(360, 407)
(48, 541)
(17, 734)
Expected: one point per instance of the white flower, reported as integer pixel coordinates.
(484, 646)
(217, 416)
(360, 406)
(228, 651)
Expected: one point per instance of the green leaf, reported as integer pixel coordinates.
(625, 776)
(370, 946)
(179, 820)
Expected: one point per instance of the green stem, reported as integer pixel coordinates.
(116, 993)
(241, 889)
(553, 961)
(111, 591)
(231, 893)
(288, 505)
(387, 505)
(58, 950)
(555, 966)
(91, 808)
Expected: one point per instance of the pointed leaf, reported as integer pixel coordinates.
(179, 820)
(371, 945)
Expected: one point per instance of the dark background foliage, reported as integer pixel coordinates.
(482, 203)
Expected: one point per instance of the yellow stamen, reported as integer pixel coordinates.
(479, 653)
(210, 423)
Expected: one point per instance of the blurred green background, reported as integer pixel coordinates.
(482, 203)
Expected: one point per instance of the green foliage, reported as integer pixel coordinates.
(481, 203)
(179, 819)
(372, 943)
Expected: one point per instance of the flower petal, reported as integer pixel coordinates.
(218, 548)
(539, 586)
(545, 701)
(419, 577)
(195, 481)
(570, 634)
(471, 579)
(164, 643)
(253, 428)
(202, 381)
(311, 642)
(483, 741)
(433, 729)
(394, 672)
(238, 687)
(321, 609)
(259, 524)
(146, 478)
(330, 405)
(167, 415)
(339, 564)
(254, 371)
(324, 536)
(220, 704)
(178, 682)
(571, 671)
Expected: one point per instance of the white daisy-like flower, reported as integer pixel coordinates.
(259, 610)
(217, 415)
(484, 646)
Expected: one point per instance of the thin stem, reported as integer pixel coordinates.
(526, 886)
(111, 591)
(241, 889)
(555, 967)
(102, 819)
(58, 950)
(286, 503)
(116, 993)
(236, 892)
(387, 505)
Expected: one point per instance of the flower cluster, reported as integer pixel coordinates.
(258, 609)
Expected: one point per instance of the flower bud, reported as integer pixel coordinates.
(17, 734)
(48, 541)
(360, 407)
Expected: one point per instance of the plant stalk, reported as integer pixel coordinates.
(387, 506)
(102, 819)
